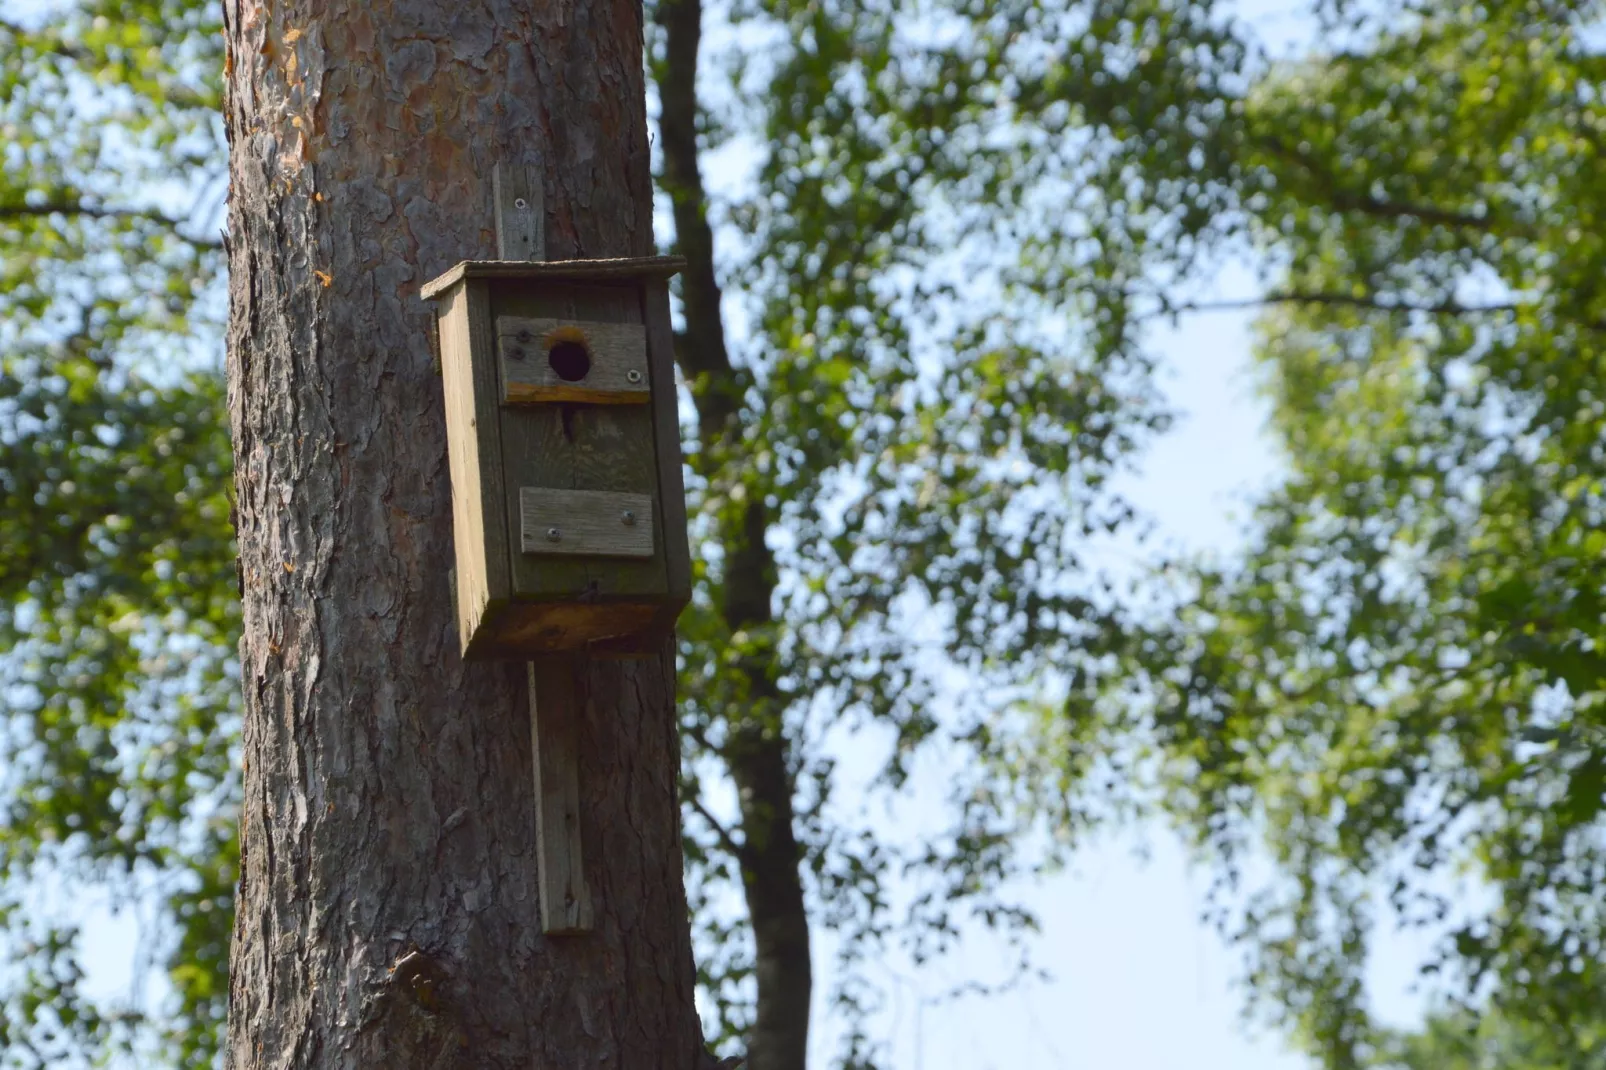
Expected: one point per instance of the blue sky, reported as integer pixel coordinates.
(1139, 983)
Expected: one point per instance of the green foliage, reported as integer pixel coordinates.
(961, 217)
(1490, 1042)
(117, 608)
(1397, 693)
(941, 376)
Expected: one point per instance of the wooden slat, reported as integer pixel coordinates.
(555, 711)
(618, 374)
(585, 523)
(622, 269)
(474, 459)
(520, 211)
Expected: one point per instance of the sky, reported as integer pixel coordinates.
(1139, 982)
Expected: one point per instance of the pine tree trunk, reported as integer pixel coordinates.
(388, 914)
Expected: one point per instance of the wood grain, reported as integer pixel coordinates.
(585, 523)
(619, 372)
(555, 712)
(666, 443)
(474, 458)
(553, 626)
(520, 211)
(579, 447)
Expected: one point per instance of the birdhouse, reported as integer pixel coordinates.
(568, 508)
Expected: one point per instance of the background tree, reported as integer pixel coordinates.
(1396, 693)
(882, 446)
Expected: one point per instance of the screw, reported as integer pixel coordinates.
(525, 336)
(628, 518)
(516, 353)
(633, 375)
(520, 203)
(554, 535)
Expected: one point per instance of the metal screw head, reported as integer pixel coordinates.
(525, 336)
(627, 518)
(554, 535)
(520, 203)
(633, 375)
(516, 353)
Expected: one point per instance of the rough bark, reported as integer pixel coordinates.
(756, 752)
(387, 908)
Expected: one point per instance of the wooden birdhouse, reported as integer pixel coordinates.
(568, 508)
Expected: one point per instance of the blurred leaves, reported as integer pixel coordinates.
(117, 609)
(1396, 695)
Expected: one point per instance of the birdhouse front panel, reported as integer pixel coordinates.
(569, 515)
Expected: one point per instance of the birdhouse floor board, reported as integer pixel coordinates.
(511, 630)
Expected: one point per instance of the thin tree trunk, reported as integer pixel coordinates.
(388, 914)
(757, 751)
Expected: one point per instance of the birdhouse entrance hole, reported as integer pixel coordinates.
(569, 360)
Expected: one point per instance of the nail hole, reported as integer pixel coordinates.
(569, 360)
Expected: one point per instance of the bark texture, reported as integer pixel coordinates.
(756, 750)
(388, 914)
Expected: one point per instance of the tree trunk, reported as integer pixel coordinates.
(388, 914)
(756, 751)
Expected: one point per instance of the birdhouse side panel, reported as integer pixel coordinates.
(666, 438)
(474, 458)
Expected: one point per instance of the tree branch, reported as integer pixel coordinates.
(78, 208)
(1348, 201)
(721, 833)
(1363, 301)
(48, 41)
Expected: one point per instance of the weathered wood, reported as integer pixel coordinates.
(556, 707)
(554, 699)
(617, 371)
(594, 523)
(520, 211)
(584, 447)
(666, 440)
(640, 267)
(557, 627)
(474, 456)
